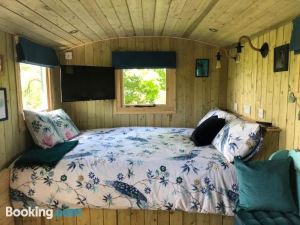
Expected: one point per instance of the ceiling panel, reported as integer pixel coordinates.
(69, 23)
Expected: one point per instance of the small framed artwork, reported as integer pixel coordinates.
(1, 63)
(3, 105)
(202, 67)
(281, 58)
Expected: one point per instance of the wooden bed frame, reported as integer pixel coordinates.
(128, 216)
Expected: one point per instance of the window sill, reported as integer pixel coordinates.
(145, 110)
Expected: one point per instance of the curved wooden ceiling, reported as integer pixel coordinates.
(69, 23)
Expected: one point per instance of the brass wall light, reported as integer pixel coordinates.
(218, 56)
(264, 50)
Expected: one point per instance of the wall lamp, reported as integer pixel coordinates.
(218, 56)
(264, 50)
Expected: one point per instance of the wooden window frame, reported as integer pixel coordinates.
(168, 108)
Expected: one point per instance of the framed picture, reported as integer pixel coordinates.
(3, 105)
(1, 63)
(281, 58)
(202, 67)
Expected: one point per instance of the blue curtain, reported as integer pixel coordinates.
(143, 59)
(295, 39)
(32, 53)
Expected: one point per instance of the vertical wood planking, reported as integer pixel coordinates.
(195, 96)
(13, 140)
(266, 89)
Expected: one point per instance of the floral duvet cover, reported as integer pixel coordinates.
(134, 167)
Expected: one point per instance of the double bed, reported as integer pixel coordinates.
(131, 167)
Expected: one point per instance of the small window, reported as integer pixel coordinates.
(34, 86)
(145, 91)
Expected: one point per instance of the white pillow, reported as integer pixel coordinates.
(63, 124)
(42, 129)
(238, 138)
(220, 113)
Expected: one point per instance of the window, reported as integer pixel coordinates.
(34, 86)
(145, 91)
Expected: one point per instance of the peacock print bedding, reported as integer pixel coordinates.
(134, 167)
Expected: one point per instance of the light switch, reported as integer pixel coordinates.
(235, 107)
(247, 109)
(261, 113)
(68, 55)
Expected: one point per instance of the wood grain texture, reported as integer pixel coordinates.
(194, 96)
(13, 140)
(4, 198)
(253, 82)
(66, 23)
(131, 217)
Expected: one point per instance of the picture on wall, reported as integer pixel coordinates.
(3, 105)
(281, 58)
(202, 67)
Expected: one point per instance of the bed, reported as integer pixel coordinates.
(132, 167)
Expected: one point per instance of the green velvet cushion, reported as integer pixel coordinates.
(264, 185)
(41, 157)
(266, 218)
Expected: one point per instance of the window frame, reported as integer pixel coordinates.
(168, 108)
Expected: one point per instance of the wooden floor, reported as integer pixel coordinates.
(131, 217)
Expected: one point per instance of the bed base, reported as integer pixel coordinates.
(131, 217)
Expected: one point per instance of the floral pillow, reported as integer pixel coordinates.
(63, 124)
(220, 113)
(42, 129)
(238, 138)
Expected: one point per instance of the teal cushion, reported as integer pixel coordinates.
(264, 185)
(41, 157)
(266, 218)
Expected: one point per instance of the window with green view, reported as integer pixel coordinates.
(34, 87)
(144, 86)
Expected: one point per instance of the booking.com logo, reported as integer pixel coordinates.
(37, 212)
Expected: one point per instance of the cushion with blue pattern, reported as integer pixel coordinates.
(238, 138)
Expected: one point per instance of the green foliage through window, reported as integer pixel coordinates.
(34, 87)
(144, 86)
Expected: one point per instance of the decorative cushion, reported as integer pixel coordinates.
(42, 129)
(238, 138)
(63, 124)
(266, 218)
(206, 131)
(264, 185)
(220, 113)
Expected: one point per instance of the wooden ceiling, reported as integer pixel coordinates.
(68, 23)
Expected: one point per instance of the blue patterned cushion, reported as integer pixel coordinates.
(238, 139)
(266, 218)
(220, 113)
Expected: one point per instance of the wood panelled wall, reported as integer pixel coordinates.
(253, 82)
(13, 139)
(195, 96)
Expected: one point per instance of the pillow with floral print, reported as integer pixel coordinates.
(42, 129)
(238, 138)
(220, 113)
(63, 124)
